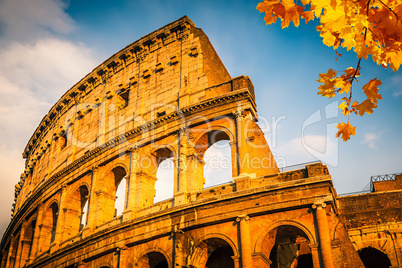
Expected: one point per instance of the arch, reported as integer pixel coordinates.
(210, 136)
(196, 161)
(154, 258)
(164, 172)
(210, 243)
(28, 239)
(374, 258)
(48, 226)
(264, 233)
(76, 208)
(286, 244)
(112, 181)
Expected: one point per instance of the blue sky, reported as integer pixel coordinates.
(46, 46)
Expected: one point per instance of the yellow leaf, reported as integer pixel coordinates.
(345, 130)
(344, 107)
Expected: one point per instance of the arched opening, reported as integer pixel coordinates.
(30, 234)
(77, 212)
(120, 190)
(373, 258)
(216, 153)
(48, 228)
(28, 241)
(164, 185)
(213, 253)
(218, 163)
(153, 260)
(55, 213)
(14, 250)
(289, 247)
(83, 215)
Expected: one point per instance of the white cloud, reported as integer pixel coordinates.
(36, 68)
(27, 19)
(371, 140)
(397, 93)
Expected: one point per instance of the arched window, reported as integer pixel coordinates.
(27, 241)
(218, 163)
(121, 191)
(83, 215)
(164, 186)
(114, 195)
(30, 235)
(214, 152)
(48, 228)
(14, 251)
(55, 213)
(77, 209)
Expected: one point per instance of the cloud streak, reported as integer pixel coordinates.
(37, 66)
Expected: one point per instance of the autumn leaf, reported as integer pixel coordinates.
(371, 90)
(344, 107)
(345, 130)
(369, 28)
(366, 107)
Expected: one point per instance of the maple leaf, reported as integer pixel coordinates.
(344, 107)
(366, 107)
(371, 90)
(345, 130)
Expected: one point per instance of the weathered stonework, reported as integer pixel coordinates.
(168, 95)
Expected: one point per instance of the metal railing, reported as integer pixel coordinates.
(385, 177)
(297, 166)
(369, 188)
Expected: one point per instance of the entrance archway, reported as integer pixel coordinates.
(289, 247)
(373, 258)
(213, 253)
(153, 260)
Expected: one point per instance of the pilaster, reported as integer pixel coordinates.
(245, 242)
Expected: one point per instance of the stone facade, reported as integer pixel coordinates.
(165, 96)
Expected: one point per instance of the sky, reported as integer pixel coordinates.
(46, 46)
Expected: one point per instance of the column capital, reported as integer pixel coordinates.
(318, 205)
(95, 169)
(244, 217)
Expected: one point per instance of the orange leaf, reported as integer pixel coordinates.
(366, 107)
(345, 130)
(371, 90)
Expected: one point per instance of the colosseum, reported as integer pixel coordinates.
(168, 96)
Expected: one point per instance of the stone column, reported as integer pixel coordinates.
(245, 243)
(129, 210)
(181, 165)
(314, 254)
(60, 224)
(324, 240)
